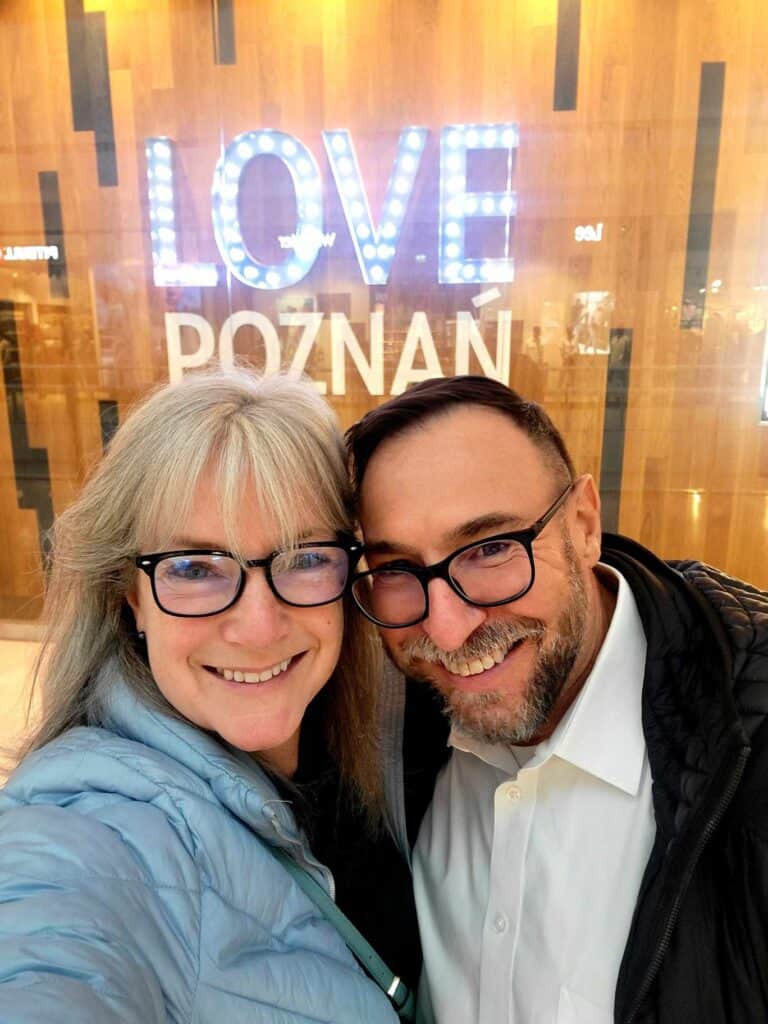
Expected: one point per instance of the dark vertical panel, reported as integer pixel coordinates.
(223, 31)
(30, 465)
(703, 192)
(79, 87)
(101, 97)
(89, 84)
(54, 232)
(567, 54)
(109, 420)
(614, 425)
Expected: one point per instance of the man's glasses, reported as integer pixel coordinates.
(489, 572)
(194, 583)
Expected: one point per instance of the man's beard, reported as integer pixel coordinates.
(499, 716)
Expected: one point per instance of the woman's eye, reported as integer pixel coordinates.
(303, 561)
(191, 571)
(306, 560)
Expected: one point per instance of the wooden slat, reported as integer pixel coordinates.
(695, 460)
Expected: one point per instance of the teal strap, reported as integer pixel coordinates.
(400, 995)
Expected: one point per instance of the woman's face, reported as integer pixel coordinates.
(190, 656)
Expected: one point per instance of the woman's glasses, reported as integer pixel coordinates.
(197, 582)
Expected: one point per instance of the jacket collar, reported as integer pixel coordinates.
(691, 721)
(236, 780)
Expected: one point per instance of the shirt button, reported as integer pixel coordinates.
(500, 923)
(513, 792)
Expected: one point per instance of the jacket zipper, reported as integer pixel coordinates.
(301, 854)
(704, 838)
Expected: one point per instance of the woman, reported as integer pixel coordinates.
(195, 619)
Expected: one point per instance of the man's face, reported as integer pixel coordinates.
(507, 673)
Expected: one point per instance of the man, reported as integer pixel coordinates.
(596, 847)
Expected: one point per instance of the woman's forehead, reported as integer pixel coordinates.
(249, 527)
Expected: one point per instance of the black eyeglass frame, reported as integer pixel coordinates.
(148, 563)
(439, 570)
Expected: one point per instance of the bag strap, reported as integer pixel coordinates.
(399, 994)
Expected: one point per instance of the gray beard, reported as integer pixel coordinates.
(489, 717)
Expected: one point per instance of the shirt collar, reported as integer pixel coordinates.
(602, 731)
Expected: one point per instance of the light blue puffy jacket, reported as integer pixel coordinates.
(136, 887)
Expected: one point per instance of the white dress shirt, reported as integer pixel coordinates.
(529, 860)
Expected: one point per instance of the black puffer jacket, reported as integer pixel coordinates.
(698, 947)
(697, 952)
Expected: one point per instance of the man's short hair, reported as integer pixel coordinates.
(431, 398)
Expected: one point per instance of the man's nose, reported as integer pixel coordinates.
(258, 618)
(451, 620)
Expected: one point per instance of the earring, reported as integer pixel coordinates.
(141, 636)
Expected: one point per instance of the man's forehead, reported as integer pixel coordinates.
(465, 439)
(457, 477)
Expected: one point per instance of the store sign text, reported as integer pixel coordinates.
(24, 253)
(418, 358)
(375, 241)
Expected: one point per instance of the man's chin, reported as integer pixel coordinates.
(489, 718)
(485, 715)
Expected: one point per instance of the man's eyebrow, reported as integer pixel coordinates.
(493, 522)
(387, 547)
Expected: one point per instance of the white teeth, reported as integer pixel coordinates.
(254, 677)
(476, 665)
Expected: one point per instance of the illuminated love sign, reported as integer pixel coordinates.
(375, 241)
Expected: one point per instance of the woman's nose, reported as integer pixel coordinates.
(258, 618)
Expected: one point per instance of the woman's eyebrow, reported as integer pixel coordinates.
(180, 543)
(201, 543)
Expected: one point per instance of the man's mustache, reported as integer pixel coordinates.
(486, 640)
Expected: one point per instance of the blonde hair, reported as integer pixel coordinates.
(274, 434)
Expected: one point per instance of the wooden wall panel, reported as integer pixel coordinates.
(695, 459)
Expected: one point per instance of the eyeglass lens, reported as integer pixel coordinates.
(487, 573)
(202, 584)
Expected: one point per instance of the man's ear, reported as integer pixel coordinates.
(586, 532)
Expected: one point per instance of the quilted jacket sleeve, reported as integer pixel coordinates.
(86, 933)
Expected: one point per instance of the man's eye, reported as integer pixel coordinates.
(493, 548)
(398, 564)
(491, 553)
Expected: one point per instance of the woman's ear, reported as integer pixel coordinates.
(134, 603)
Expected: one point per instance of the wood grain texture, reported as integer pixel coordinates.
(695, 466)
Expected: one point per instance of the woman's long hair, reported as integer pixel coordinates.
(274, 434)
